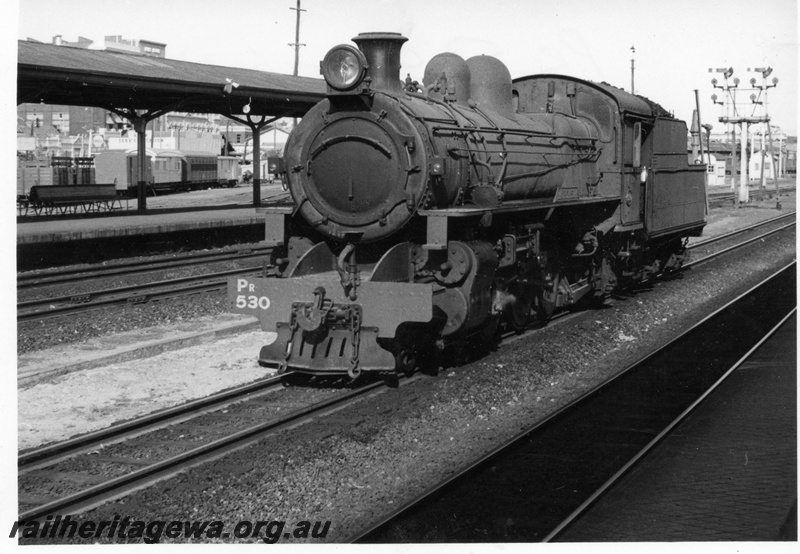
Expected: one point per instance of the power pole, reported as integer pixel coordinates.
(297, 46)
(633, 52)
(296, 42)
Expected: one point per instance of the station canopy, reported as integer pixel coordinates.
(128, 83)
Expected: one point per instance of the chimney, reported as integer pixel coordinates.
(382, 51)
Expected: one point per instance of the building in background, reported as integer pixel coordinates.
(754, 165)
(790, 164)
(58, 40)
(47, 130)
(783, 159)
(115, 43)
(273, 138)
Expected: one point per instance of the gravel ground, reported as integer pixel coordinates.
(36, 335)
(368, 459)
(83, 401)
(39, 334)
(112, 460)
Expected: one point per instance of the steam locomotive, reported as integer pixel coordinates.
(425, 216)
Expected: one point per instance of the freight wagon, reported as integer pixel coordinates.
(166, 171)
(53, 171)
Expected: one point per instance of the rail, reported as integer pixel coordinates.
(56, 452)
(571, 431)
(665, 432)
(71, 275)
(150, 474)
(132, 294)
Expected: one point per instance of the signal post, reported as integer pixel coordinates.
(734, 115)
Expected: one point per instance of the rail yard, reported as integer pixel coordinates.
(467, 308)
(383, 429)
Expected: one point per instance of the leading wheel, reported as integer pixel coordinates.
(405, 361)
(520, 308)
(546, 298)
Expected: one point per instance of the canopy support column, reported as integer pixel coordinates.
(256, 162)
(256, 127)
(140, 126)
(139, 119)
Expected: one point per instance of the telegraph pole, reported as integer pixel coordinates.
(297, 46)
(633, 52)
(296, 42)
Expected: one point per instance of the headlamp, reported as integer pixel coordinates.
(343, 67)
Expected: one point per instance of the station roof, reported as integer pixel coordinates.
(99, 78)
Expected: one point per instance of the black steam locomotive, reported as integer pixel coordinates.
(425, 216)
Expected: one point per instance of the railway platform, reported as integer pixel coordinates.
(196, 211)
(157, 222)
(727, 473)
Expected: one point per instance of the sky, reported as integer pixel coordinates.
(676, 42)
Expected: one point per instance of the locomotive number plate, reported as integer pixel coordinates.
(247, 298)
(385, 304)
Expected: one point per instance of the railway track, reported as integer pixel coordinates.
(138, 294)
(72, 275)
(36, 458)
(123, 296)
(615, 479)
(721, 199)
(63, 478)
(603, 433)
(733, 234)
(84, 455)
(737, 232)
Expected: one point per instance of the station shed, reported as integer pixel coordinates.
(140, 89)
